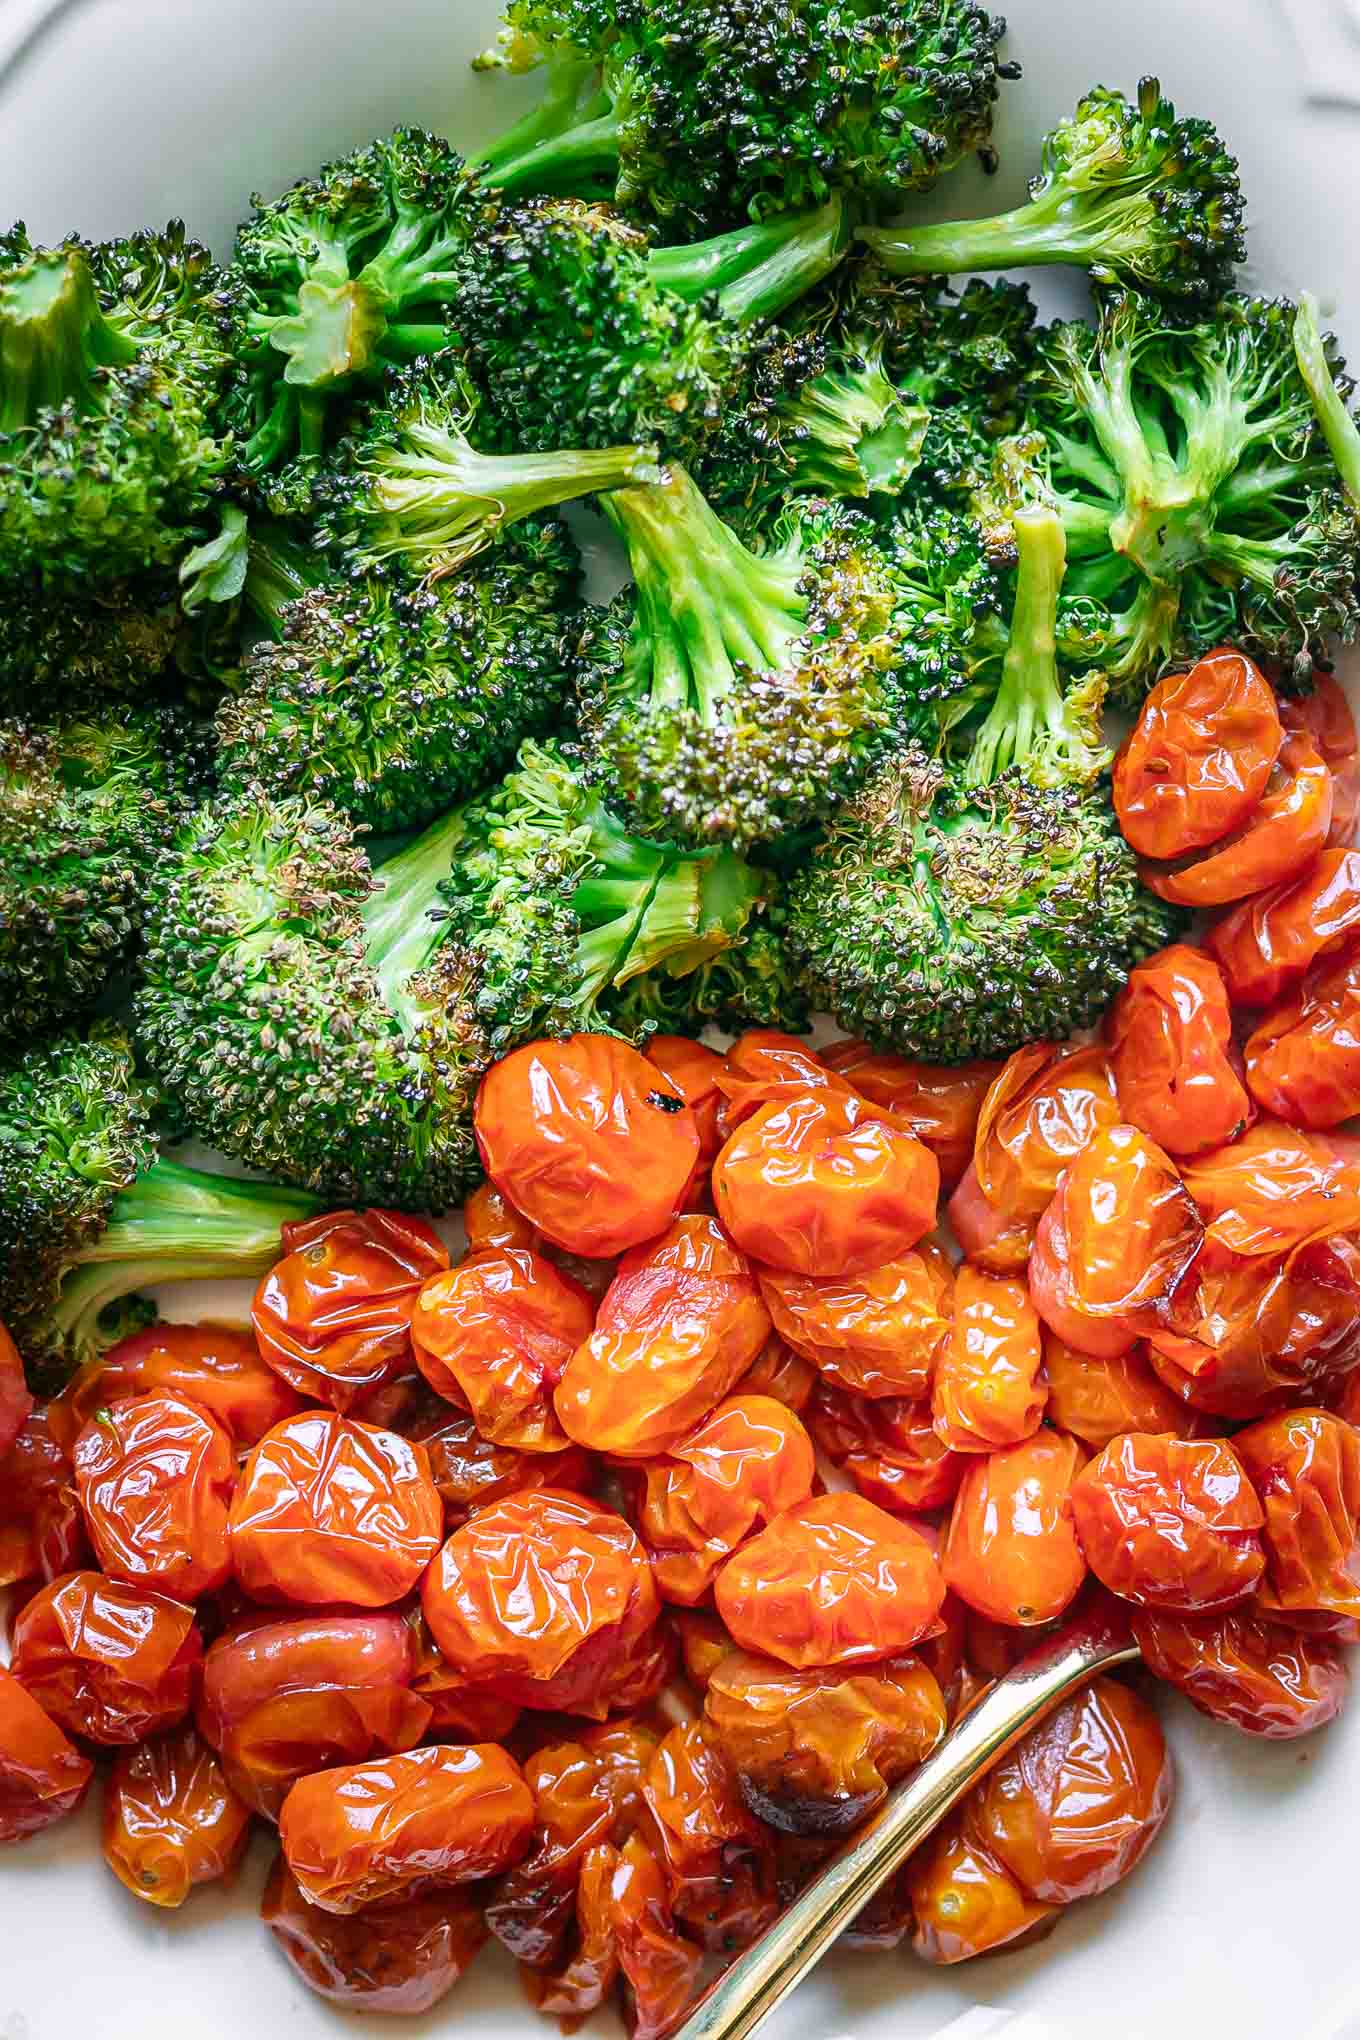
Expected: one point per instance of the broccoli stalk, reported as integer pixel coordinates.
(1127, 191)
(569, 142)
(756, 271)
(1319, 369)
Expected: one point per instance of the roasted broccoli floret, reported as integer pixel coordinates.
(1127, 192)
(752, 984)
(960, 908)
(703, 115)
(65, 648)
(330, 1023)
(390, 696)
(112, 360)
(91, 1217)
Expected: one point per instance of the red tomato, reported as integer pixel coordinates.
(1043, 1109)
(890, 1449)
(718, 1859)
(1171, 1053)
(43, 1777)
(401, 1957)
(469, 1471)
(155, 1476)
(1170, 1523)
(16, 1404)
(988, 1237)
(171, 1821)
(1273, 1190)
(1244, 1669)
(110, 1663)
(1098, 1399)
(1198, 759)
(1011, 1550)
(490, 1220)
(939, 1102)
(494, 1334)
(764, 1066)
(694, 1071)
(1305, 1467)
(1265, 945)
(779, 1372)
(988, 1388)
(42, 1532)
(215, 1366)
(879, 1333)
(1276, 842)
(1303, 1061)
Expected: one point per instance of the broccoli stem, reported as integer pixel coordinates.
(1334, 420)
(401, 921)
(757, 271)
(571, 160)
(572, 98)
(858, 437)
(54, 338)
(1063, 226)
(1028, 708)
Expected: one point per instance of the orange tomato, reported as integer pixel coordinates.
(494, 1335)
(965, 1902)
(1171, 1052)
(1265, 945)
(988, 1389)
(1197, 760)
(43, 1777)
(1043, 1109)
(877, 1334)
(1303, 1060)
(1097, 1398)
(1170, 1523)
(171, 1821)
(155, 1476)
(1278, 840)
(890, 1449)
(939, 1102)
(1011, 1550)
(109, 1663)
(215, 1366)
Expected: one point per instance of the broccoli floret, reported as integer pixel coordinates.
(962, 909)
(111, 362)
(962, 357)
(68, 648)
(752, 984)
(390, 696)
(1127, 191)
(90, 1216)
(742, 108)
(949, 621)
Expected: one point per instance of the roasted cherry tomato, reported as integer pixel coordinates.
(42, 1531)
(589, 1140)
(891, 1450)
(494, 1334)
(171, 1820)
(1198, 758)
(693, 1070)
(402, 1957)
(215, 1366)
(459, 1709)
(1040, 1113)
(625, 1936)
(1278, 840)
(677, 1328)
(1078, 1801)
(329, 1510)
(1265, 945)
(1303, 1061)
(155, 1476)
(1011, 1550)
(1325, 717)
(540, 1598)
(965, 1902)
(717, 1857)
(1169, 1035)
(939, 1102)
(16, 1404)
(333, 1317)
(988, 1389)
(1305, 1467)
(1170, 1522)
(822, 1185)
(1114, 1244)
(748, 1462)
(1098, 1399)
(433, 1817)
(704, 1642)
(836, 1581)
(469, 1471)
(1245, 1669)
(779, 1372)
(280, 1700)
(879, 1333)
(43, 1777)
(490, 1220)
(815, 1750)
(987, 1236)
(110, 1663)
(764, 1066)
(1275, 1189)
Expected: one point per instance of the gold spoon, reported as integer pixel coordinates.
(760, 1978)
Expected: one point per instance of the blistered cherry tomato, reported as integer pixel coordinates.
(748, 1462)
(433, 1817)
(879, 1333)
(678, 1327)
(459, 1709)
(891, 1450)
(110, 1663)
(469, 1471)
(329, 1510)
(1198, 758)
(42, 1532)
(1170, 1045)
(1278, 840)
(171, 1820)
(155, 1476)
(1170, 1522)
(490, 1220)
(939, 1102)
(1325, 717)
(1079, 1800)
(1303, 1061)
(1275, 1189)
(16, 1404)
(763, 1066)
(625, 1934)
(494, 1334)
(835, 1581)
(215, 1366)
(815, 1750)
(1040, 1113)
(965, 1902)
(539, 1598)
(693, 1070)
(1245, 1669)
(779, 1372)
(717, 1857)
(988, 1389)
(1304, 1465)
(1011, 1550)
(704, 1642)
(333, 1317)
(1098, 1399)
(819, 1185)
(988, 1237)
(43, 1777)
(589, 1140)
(1265, 945)
(401, 1957)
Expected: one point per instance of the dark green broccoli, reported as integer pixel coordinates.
(752, 984)
(91, 1216)
(962, 908)
(1127, 192)
(112, 360)
(69, 648)
(330, 1023)
(962, 357)
(741, 108)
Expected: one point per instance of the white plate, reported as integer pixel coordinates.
(117, 113)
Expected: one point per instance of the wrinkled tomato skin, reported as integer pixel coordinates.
(890, 1450)
(1011, 1551)
(1304, 1466)
(718, 1859)
(215, 1366)
(1251, 1335)
(815, 1751)
(330, 1511)
(835, 1581)
(1277, 1188)
(1245, 1669)
(1324, 715)
(442, 1815)
(748, 1462)
(694, 1071)
(1170, 1523)
(1098, 1399)
(42, 1531)
(676, 1330)
(820, 1184)
(1079, 1800)
(1278, 840)
(764, 1067)
(469, 1471)
(988, 1237)
(1303, 1060)
(988, 1390)
(1169, 1035)
(704, 1642)
(1044, 1108)
(459, 1709)
(591, 1142)
(541, 1598)
(939, 1102)
(43, 1777)
(490, 1220)
(170, 1819)
(876, 1334)
(779, 1372)
(1196, 763)
(494, 1335)
(1265, 945)
(399, 1958)
(16, 1404)
(627, 1935)
(965, 1902)
(155, 1477)
(333, 1317)
(109, 1663)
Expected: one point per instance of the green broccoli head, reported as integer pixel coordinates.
(751, 984)
(80, 648)
(112, 360)
(949, 619)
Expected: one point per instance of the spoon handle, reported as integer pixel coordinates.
(760, 1978)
